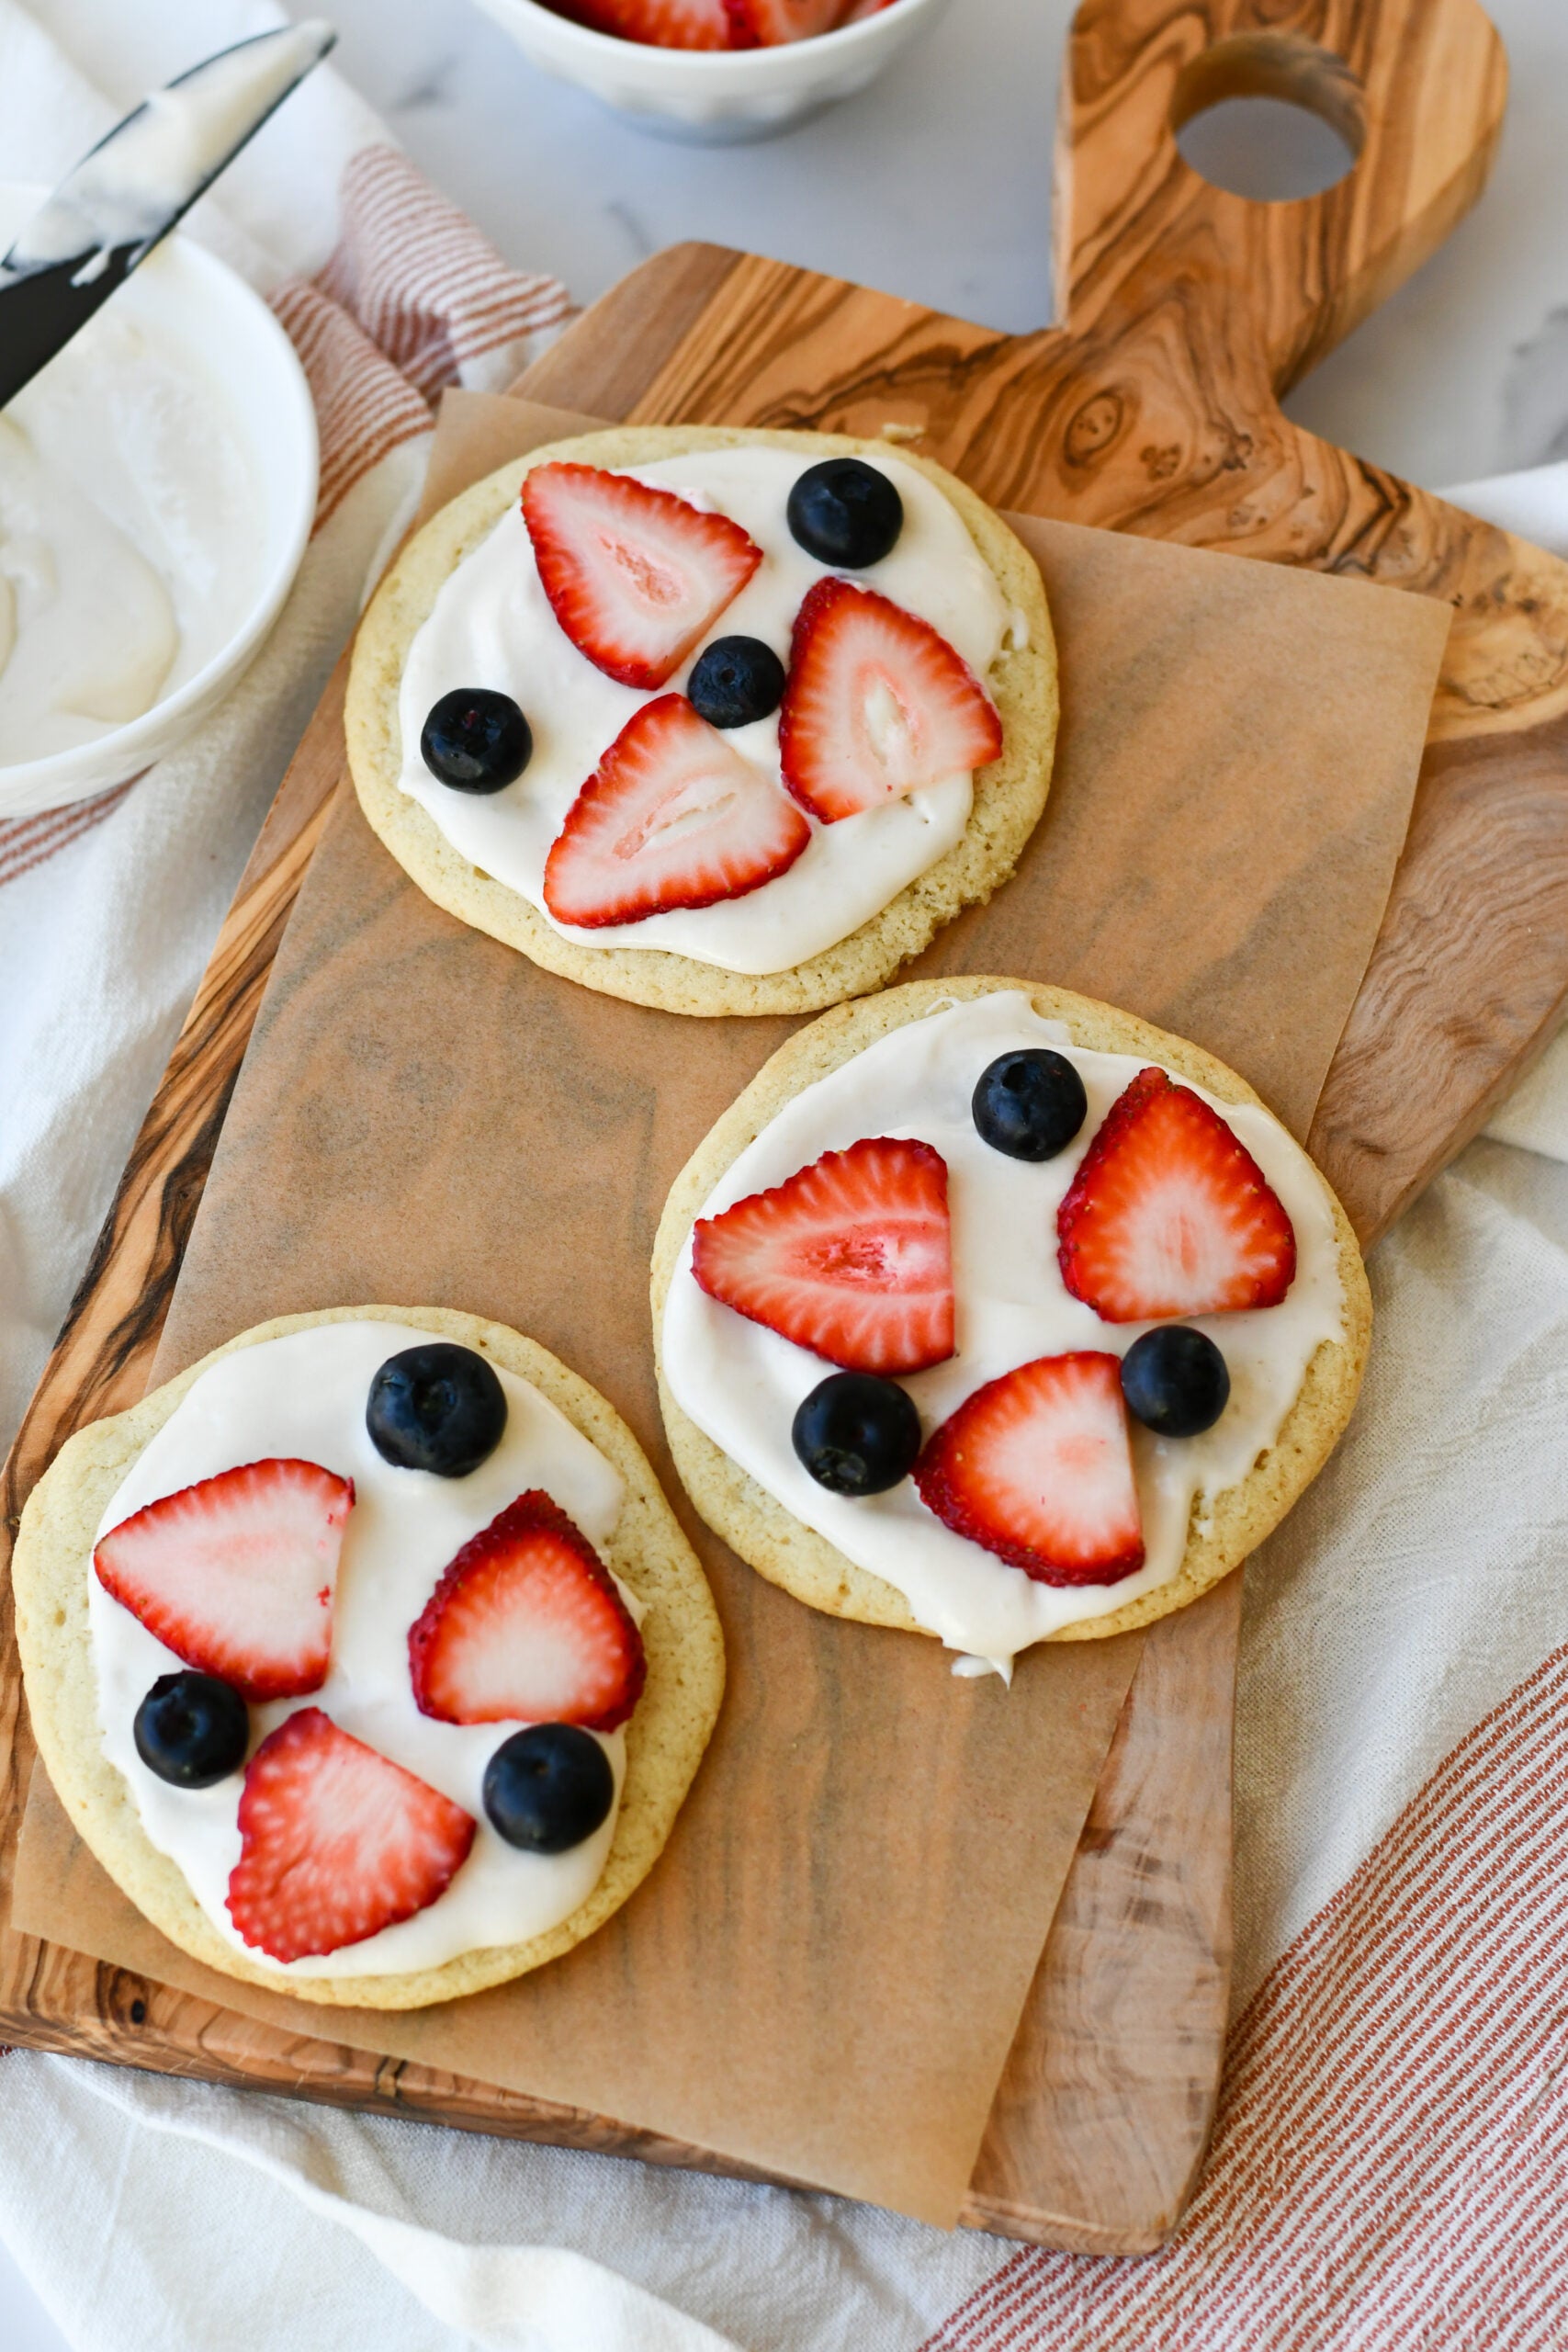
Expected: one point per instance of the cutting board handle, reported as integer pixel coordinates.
(1416, 88)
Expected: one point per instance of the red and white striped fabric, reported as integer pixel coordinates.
(1390, 2164)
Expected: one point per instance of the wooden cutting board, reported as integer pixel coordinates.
(1154, 409)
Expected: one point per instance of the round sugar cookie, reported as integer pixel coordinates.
(1232, 1523)
(665, 1737)
(1009, 795)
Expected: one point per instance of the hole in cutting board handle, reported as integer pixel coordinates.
(1268, 117)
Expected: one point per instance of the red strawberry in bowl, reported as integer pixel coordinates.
(851, 1257)
(237, 1573)
(672, 817)
(336, 1842)
(1171, 1215)
(662, 24)
(1037, 1467)
(634, 575)
(526, 1625)
(764, 24)
(878, 705)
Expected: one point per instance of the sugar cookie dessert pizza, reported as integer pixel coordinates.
(367, 1656)
(993, 1312)
(718, 721)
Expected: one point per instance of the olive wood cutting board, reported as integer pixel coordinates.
(1154, 409)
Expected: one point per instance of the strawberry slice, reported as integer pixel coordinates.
(851, 1257)
(1037, 1467)
(1170, 1214)
(765, 24)
(878, 705)
(666, 24)
(672, 817)
(336, 1842)
(237, 1573)
(634, 575)
(526, 1626)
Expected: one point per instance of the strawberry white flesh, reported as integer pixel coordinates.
(336, 1842)
(237, 1575)
(526, 1625)
(851, 1257)
(672, 817)
(1170, 1214)
(764, 24)
(1037, 1466)
(634, 575)
(878, 705)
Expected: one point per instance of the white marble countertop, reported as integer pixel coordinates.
(936, 185)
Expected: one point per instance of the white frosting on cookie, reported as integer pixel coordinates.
(741, 1382)
(303, 1395)
(492, 626)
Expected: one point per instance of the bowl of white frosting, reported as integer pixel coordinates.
(715, 95)
(157, 489)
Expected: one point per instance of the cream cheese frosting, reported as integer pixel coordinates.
(492, 626)
(127, 547)
(741, 1382)
(304, 1396)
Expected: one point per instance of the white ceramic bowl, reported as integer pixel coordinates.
(183, 290)
(715, 95)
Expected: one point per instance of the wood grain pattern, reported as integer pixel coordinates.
(1153, 409)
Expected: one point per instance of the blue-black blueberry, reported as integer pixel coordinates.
(1029, 1105)
(438, 1407)
(548, 1788)
(1175, 1381)
(845, 512)
(736, 680)
(192, 1730)
(857, 1434)
(476, 739)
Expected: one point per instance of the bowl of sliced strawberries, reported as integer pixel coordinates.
(714, 70)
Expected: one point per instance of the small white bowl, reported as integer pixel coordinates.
(715, 95)
(183, 290)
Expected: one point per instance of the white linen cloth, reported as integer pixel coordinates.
(1409, 1594)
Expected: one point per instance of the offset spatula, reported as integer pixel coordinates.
(129, 190)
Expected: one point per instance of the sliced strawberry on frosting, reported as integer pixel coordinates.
(878, 705)
(851, 1257)
(1170, 1214)
(672, 817)
(526, 1625)
(1038, 1468)
(764, 24)
(634, 575)
(666, 24)
(336, 1842)
(237, 1573)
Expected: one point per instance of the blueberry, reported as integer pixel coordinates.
(1029, 1105)
(437, 1408)
(476, 741)
(736, 680)
(548, 1788)
(857, 1434)
(844, 513)
(1175, 1381)
(192, 1730)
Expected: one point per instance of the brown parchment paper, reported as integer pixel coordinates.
(823, 1975)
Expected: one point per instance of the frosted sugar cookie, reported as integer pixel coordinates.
(993, 1312)
(714, 721)
(367, 1656)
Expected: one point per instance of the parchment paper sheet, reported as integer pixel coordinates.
(825, 1971)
